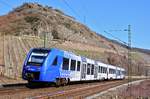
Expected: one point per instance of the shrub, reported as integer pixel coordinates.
(31, 19)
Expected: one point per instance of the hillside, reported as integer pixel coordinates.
(26, 26)
(35, 20)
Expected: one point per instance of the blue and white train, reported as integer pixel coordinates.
(62, 67)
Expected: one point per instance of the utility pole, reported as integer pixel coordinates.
(129, 54)
(129, 59)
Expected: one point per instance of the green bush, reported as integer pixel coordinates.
(31, 19)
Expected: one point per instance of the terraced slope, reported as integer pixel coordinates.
(14, 49)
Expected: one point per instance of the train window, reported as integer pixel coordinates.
(104, 70)
(88, 69)
(92, 70)
(65, 64)
(78, 65)
(110, 71)
(119, 72)
(37, 57)
(99, 69)
(114, 71)
(123, 72)
(55, 62)
(73, 65)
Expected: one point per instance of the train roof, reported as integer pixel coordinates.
(111, 66)
(90, 61)
(102, 64)
(42, 48)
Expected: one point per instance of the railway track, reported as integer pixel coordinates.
(72, 91)
(80, 92)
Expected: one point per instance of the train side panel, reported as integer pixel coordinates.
(59, 64)
(90, 69)
(70, 68)
(111, 72)
(103, 71)
(51, 67)
(122, 74)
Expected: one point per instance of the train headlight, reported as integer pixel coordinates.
(29, 75)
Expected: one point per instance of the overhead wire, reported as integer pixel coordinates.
(72, 9)
(117, 37)
(125, 43)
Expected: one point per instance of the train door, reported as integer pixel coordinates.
(107, 72)
(83, 71)
(116, 73)
(95, 72)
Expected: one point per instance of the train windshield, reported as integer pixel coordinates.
(38, 57)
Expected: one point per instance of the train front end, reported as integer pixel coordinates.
(33, 64)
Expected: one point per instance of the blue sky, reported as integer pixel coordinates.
(102, 15)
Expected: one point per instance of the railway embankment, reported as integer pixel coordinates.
(134, 90)
(73, 90)
(7, 82)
